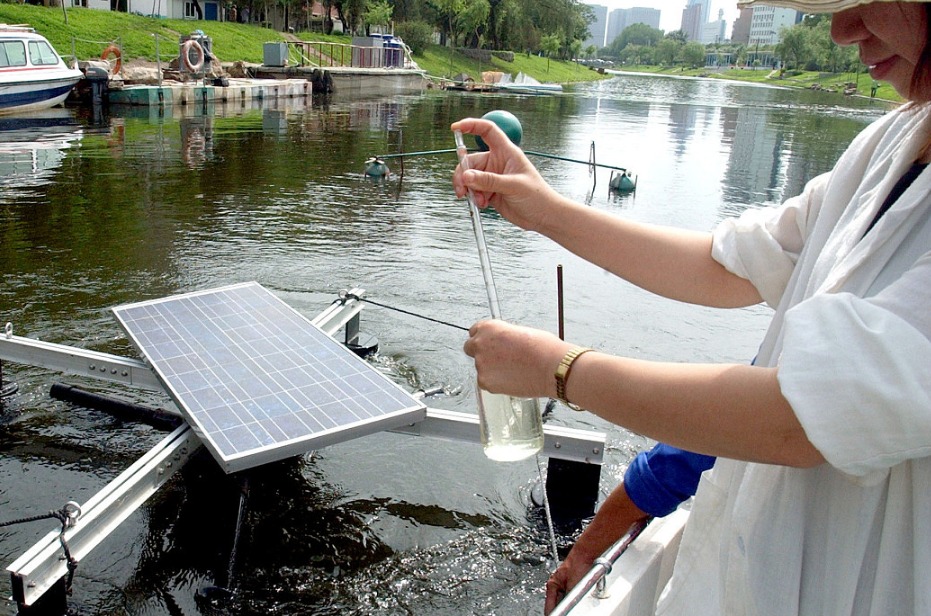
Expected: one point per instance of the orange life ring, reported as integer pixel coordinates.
(186, 49)
(113, 49)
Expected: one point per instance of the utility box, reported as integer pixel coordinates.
(275, 54)
(368, 52)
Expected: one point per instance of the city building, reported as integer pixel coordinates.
(767, 22)
(598, 29)
(741, 31)
(715, 31)
(620, 19)
(694, 17)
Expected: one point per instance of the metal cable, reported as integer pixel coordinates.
(67, 515)
(408, 312)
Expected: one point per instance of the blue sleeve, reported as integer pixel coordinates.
(657, 481)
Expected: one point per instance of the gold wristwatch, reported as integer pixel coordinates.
(562, 375)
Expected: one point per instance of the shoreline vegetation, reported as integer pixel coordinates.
(85, 33)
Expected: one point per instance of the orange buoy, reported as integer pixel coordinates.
(193, 66)
(113, 49)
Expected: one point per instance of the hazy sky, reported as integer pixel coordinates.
(671, 10)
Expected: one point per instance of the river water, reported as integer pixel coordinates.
(137, 204)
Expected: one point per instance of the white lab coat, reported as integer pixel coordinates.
(851, 336)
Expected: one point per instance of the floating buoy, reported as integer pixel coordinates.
(376, 168)
(507, 122)
(113, 50)
(623, 182)
(192, 65)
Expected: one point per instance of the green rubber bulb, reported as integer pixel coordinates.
(507, 122)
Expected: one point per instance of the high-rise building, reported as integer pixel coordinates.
(692, 22)
(596, 31)
(715, 31)
(768, 21)
(741, 31)
(694, 17)
(643, 15)
(620, 19)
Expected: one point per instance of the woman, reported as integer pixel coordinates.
(820, 500)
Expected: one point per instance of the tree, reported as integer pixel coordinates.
(677, 35)
(575, 49)
(693, 55)
(636, 34)
(377, 13)
(667, 50)
(550, 45)
(446, 11)
(793, 45)
(473, 18)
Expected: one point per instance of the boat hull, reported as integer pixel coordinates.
(33, 95)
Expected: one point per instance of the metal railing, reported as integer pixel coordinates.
(601, 568)
(324, 54)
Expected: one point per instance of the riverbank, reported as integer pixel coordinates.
(844, 84)
(85, 33)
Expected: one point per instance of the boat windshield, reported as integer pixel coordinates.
(42, 54)
(12, 53)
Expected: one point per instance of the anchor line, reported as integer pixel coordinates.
(407, 312)
(67, 516)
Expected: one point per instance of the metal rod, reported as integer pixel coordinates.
(572, 160)
(600, 569)
(529, 153)
(424, 153)
(493, 304)
(559, 304)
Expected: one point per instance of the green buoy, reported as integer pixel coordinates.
(507, 122)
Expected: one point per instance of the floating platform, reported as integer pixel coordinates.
(239, 91)
(359, 80)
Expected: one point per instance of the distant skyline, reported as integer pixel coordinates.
(671, 10)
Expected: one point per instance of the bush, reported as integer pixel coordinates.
(417, 34)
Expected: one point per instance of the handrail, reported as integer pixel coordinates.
(328, 54)
(599, 571)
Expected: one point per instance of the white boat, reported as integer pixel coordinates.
(32, 74)
(525, 84)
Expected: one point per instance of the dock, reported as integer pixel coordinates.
(238, 92)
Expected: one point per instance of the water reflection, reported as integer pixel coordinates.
(32, 147)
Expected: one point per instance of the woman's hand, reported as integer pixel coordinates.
(503, 178)
(515, 360)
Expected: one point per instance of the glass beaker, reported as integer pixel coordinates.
(511, 428)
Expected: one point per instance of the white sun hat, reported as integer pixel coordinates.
(812, 6)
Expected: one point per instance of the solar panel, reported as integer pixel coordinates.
(256, 380)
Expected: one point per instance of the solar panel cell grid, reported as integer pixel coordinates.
(256, 379)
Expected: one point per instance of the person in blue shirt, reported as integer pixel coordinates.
(655, 484)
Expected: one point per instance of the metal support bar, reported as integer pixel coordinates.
(116, 369)
(559, 442)
(39, 568)
(344, 312)
(82, 362)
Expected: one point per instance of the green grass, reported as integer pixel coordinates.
(834, 82)
(89, 31)
(443, 62)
